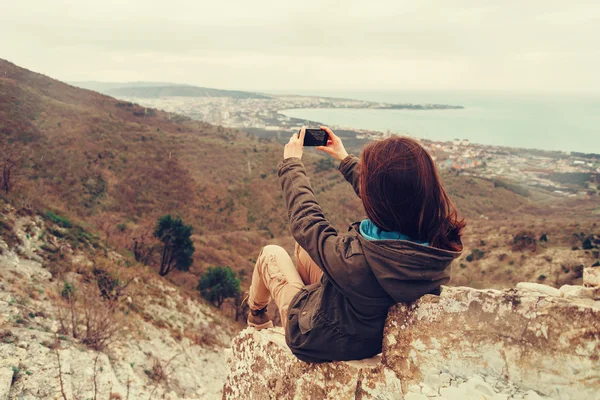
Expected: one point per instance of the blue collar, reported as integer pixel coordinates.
(369, 231)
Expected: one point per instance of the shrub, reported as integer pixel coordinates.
(87, 316)
(217, 284)
(476, 254)
(111, 288)
(178, 248)
(58, 220)
(524, 240)
(68, 290)
(157, 372)
(590, 242)
(16, 374)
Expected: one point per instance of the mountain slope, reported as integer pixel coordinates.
(78, 320)
(115, 167)
(108, 163)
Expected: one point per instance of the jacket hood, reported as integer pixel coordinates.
(407, 270)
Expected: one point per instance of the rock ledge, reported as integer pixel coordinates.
(528, 343)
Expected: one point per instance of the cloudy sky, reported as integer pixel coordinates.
(525, 45)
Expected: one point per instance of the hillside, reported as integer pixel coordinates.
(106, 163)
(115, 167)
(78, 320)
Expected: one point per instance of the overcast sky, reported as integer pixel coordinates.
(525, 45)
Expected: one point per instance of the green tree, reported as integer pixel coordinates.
(217, 284)
(178, 248)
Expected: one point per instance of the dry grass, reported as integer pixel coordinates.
(86, 315)
(506, 262)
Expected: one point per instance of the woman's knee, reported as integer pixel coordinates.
(272, 249)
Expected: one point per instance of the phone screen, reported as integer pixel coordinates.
(315, 137)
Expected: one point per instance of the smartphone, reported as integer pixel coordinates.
(316, 137)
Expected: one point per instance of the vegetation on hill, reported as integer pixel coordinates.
(178, 248)
(218, 284)
(112, 168)
(75, 311)
(115, 168)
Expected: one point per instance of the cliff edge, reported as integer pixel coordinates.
(530, 342)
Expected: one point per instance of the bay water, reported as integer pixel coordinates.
(548, 121)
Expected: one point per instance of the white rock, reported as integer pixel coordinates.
(531, 395)
(429, 391)
(539, 288)
(445, 379)
(433, 381)
(581, 292)
(6, 375)
(591, 277)
(459, 393)
(483, 387)
(196, 371)
(415, 396)
(414, 388)
(492, 380)
(8, 359)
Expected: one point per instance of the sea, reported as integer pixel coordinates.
(564, 122)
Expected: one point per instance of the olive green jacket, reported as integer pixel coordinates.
(342, 316)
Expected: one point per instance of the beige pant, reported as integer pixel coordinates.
(276, 276)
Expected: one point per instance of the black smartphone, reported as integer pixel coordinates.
(315, 137)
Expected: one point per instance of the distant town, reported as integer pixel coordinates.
(570, 174)
(261, 112)
(563, 174)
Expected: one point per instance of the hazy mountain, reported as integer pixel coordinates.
(102, 87)
(161, 89)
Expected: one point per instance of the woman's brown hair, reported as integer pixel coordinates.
(401, 192)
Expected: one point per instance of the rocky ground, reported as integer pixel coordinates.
(527, 343)
(166, 344)
(150, 339)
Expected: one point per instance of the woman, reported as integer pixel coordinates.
(334, 300)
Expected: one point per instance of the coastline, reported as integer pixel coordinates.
(553, 125)
(485, 125)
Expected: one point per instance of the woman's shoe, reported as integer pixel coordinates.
(258, 319)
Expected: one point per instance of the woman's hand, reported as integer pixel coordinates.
(335, 147)
(295, 146)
